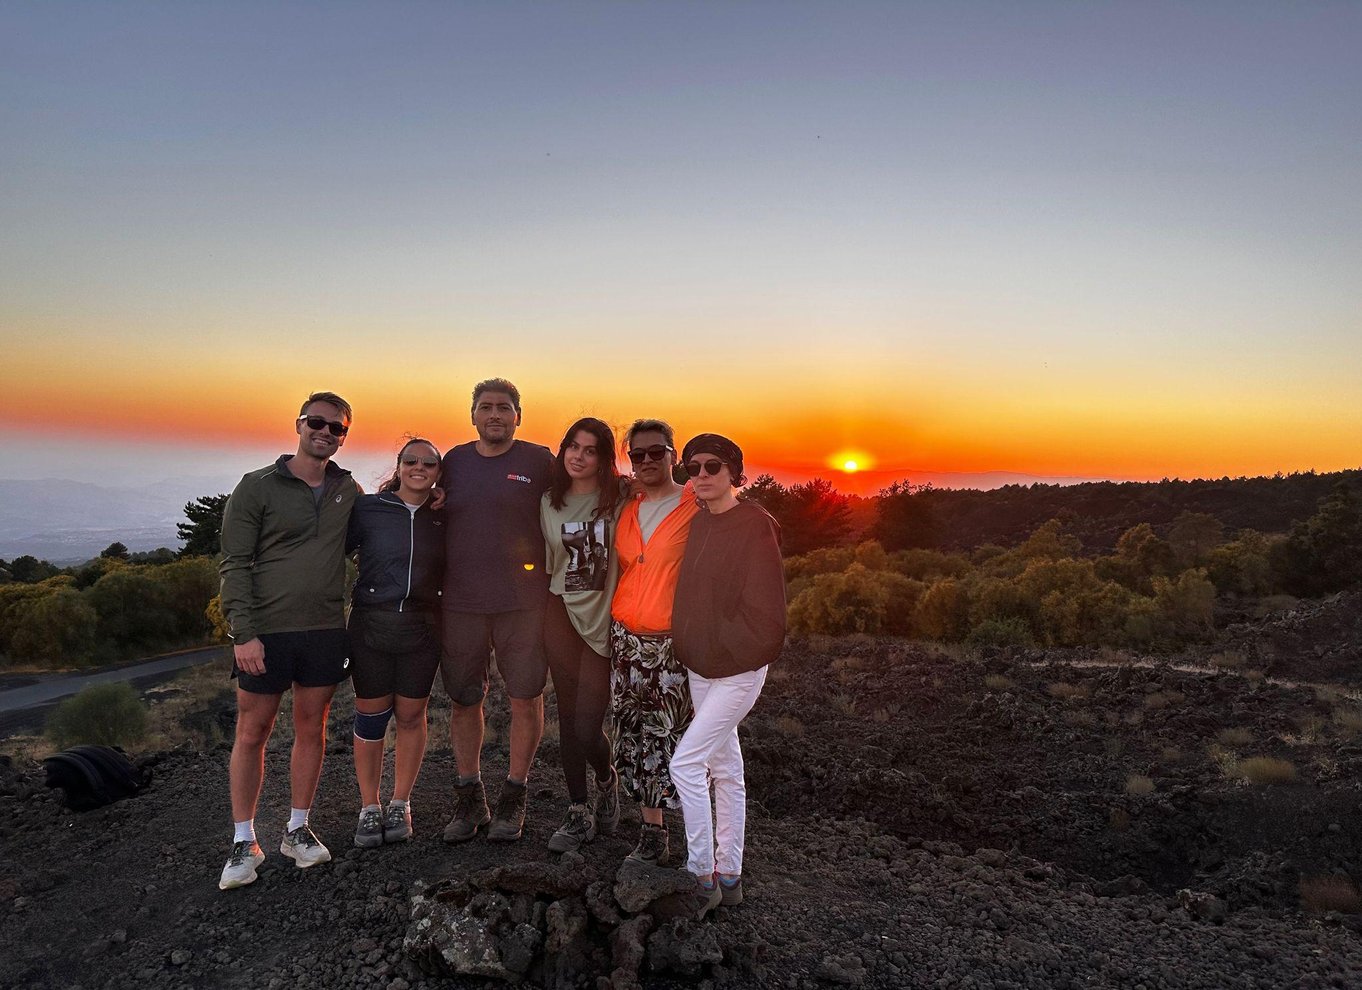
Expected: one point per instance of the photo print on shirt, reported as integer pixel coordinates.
(588, 547)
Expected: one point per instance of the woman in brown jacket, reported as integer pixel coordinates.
(728, 622)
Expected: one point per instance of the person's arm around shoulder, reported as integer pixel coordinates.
(241, 522)
(761, 603)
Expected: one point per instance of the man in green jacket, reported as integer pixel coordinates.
(283, 588)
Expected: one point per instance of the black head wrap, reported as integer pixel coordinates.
(721, 447)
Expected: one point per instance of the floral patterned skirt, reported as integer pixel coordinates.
(650, 709)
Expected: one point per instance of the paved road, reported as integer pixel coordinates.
(21, 706)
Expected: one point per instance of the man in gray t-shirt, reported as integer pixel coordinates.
(495, 589)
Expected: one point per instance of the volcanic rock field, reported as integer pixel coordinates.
(918, 817)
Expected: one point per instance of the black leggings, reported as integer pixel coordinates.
(581, 683)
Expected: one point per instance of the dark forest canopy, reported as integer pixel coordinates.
(904, 516)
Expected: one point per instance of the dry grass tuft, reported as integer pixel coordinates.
(790, 726)
(844, 665)
(1079, 718)
(1321, 894)
(1225, 761)
(1068, 692)
(1234, 738)
(1170, 754)
(1348, 721)
(1254, 676)
(1163, 699)
(1138, 785)
(1227, 660)
(1267, 770)
(844, 703)
(997, 682)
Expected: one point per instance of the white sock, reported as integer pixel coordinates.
(370, 807)
(297, 818)
(244, 831)
(399, 803)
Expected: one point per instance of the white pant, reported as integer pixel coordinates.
(710, 746)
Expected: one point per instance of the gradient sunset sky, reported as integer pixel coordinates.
(1092, 240)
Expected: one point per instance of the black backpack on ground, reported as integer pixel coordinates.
(93, 776)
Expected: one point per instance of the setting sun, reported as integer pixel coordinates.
(850, 461)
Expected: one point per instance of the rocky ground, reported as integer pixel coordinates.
(918, 818)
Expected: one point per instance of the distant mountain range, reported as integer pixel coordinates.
(67, 522)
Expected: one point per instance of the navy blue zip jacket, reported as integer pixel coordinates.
(401, 554)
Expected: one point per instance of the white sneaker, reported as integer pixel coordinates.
(240, 868)
(304, 848)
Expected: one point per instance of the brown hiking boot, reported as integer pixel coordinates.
(652, 845)
(607, 810)
(508, 824)
(470, 812)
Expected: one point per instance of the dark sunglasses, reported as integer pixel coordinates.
(321, 422)
(654, 453)
(429, 462)
(710, 467)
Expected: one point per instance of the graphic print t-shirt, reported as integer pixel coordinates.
(588, 549)
(494, 551)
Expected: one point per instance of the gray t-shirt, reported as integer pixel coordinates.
(651, 514)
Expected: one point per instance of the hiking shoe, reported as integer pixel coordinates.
(508, 824)
(578, 829)
(607, 810)
(240, 868)
(652, 845)
(369, 831)
(731, 888)
(470, 812)
(397, 823)
(304, 848)
(706, 898)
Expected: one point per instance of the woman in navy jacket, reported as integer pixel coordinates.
(394, 635)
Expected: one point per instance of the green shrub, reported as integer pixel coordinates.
(1001, 632)
(943, 611)
(104, 714)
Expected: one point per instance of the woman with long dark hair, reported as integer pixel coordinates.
(578, 516)
(394, 634)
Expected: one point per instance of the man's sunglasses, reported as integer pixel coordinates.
(709, 467)
(429, 462)
(322, 423)
(654, 453)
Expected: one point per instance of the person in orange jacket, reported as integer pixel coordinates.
(649, 695)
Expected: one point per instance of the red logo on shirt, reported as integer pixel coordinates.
(519, 477)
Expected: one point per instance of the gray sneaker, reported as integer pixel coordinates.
(508, 823)
(731, 888)
(578, 829)
(607, 810)
(369, 831)
(652, 845)
(705, 899)
(397, 823)
(304, 848)
(470, 812)
(240, 868)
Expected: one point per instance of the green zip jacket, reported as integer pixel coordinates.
(283, 552)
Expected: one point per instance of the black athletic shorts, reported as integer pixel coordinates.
(393, 652)
(311, 658)
(471, 639)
